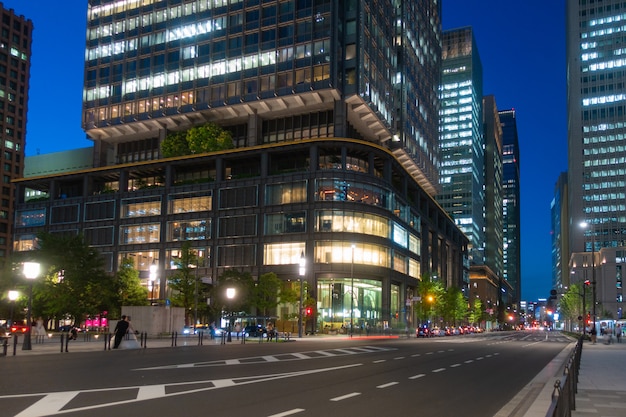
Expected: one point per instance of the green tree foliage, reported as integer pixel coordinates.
(476, 314)
(73, 283)
(243, 284)
(454, 306)
(200, 139)
(266, 293)
(183, 282)
(129, 289)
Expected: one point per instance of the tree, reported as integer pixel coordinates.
(454, 306)
(129, 289)
(266, 293)
(74, 283)
(476, 314)
(183, 282)
(200, 139)
(175, 144)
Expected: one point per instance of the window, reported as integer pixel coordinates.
(99, 236)
(278, 194)
(189, 203)
(100, 210)
(283, 253)
(279, 223)
(238, 197)
(237, 226)
(236, 255)
(139, 208)
(64, 214)
(140, 233)
(189, 230)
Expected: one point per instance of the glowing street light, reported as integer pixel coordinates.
(31, 271)
(230, 294)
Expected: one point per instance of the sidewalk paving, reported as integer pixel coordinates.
(602, 380)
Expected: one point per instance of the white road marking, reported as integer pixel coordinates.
(417, 376)
(455, 365)
(387, 385)
(380, 361)
(439, 370)
(288, 413)
(151, 391)
(345, 397)
(50, 404)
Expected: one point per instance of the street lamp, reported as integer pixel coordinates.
(230, 294)
(302, 273)
(12, 297)
(31, 271)
(352, 292)
(585, 225)
(153, 277)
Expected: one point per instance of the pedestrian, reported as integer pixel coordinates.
(120, 331)
(618, 333)
(594, 335)
(73, 333)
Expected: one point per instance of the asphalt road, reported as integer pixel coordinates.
(462, 375)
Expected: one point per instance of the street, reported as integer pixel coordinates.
(472, 375)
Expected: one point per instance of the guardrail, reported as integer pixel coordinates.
(566, 387)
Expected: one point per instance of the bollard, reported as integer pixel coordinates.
(67, 341)
(14, 344)
(62, 337)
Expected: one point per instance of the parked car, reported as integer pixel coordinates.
(423, 332)
(19, 328)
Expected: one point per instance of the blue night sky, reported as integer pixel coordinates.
(521, 44)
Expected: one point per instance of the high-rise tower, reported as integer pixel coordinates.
(511, 219)
(368, 70)
(596, 129)
(462, 170)
(15, 54)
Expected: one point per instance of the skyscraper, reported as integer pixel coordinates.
(15, 55)
(462, 167)
(596, 124)
(511, 219)
(597, 139)
(332, 107)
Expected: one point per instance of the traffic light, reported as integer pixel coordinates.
(308, 311)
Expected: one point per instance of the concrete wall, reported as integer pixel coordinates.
(154, 320)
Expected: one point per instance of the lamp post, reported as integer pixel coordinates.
(230, 294)
(153, 277)
(31, 271)
(301, 273)
(352, 292)
(12, 297)
(593, 275)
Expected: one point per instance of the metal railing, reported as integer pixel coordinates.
(566, 387)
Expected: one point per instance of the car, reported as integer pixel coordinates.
(423, 332)
(19, 328)
(187, 330)
(255, 331)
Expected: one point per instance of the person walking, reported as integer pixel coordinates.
(120, 331)
(618, 333)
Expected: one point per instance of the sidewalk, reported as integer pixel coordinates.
(95, 343)
(602, 380)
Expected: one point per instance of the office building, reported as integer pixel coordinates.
(15, 59)
(511, 219)
(461, 145)
(333, 114)
(596, 127)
